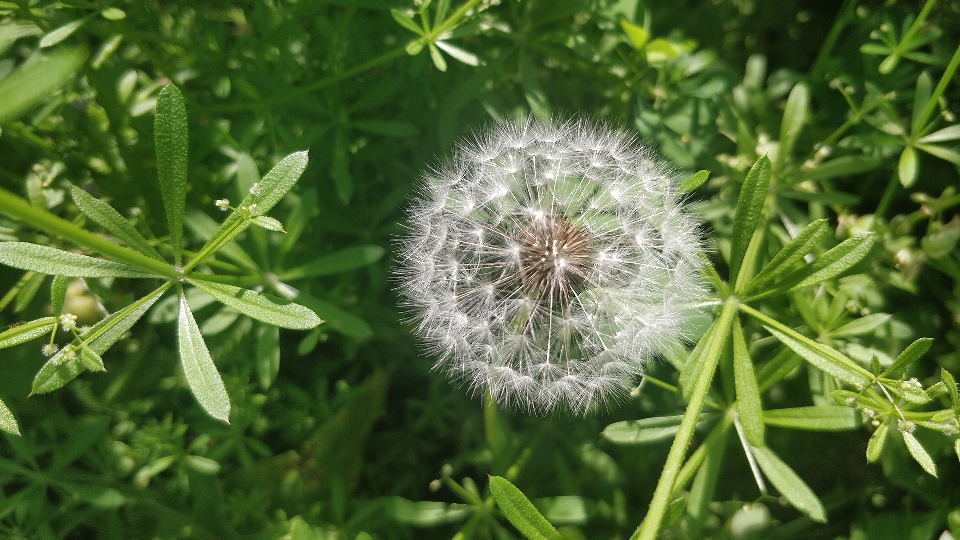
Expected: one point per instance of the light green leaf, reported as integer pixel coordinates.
(636, 34)
(795, 115)
(170, 140)
(91, 360)
(919, 453)
(35, 80)
(920, 98)
(268, 353)
(818, 418)
(520, 511)
(908, 166)
(875, 444)
(47, 260)
(644, 431)
(113, 14)
(951, 385)
(797, 493)
(58, 293)
(58, 371)
(694, 365)
(7, 422)
(59, 34)
(268, 223)
(840, 167)
(805, 242)
(201, 373)
(23, 333)
(459, 54)
(414, 47)
(344, 260)
(941, 152)
(825, 358)
(205, 227)
(747, 215)
(437, 58)
(694, 181)
(406, 22)
(423, 513)
(566, 509)
(262, 307)
(861, 326)
(835, 261)
(911, 354)
(949, 133)
(104, 215)
(748, 393)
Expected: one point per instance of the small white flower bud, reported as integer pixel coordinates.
(50, 349)
(222, 204)
(906, 426)
(255, 189)
(68, 321)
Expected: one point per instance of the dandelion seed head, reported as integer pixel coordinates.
(546, 262)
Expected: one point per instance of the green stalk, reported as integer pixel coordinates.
(650, 526)
(938, 91)
(20, 209)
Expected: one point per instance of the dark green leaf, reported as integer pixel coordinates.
(911, 354)
(835, 261)
(747, 215)
(268, 353)
(170, 140)
(520, 511)
(262, 307)
(35, 80)
(344, 260)
(27, 331)
(797, 493)
(341, 167)
(941, 152)
(795, 115)
(336, 318)
(205, 227)
(951, 385)
(841, 167)
(104, 215)
(47, 260)
(198, 367)
(694, 364)
(818, 418)
(748, 393)
(566, 509)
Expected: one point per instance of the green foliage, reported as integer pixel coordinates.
(820, 143)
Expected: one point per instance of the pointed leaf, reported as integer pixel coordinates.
(262, 307)
(941, 152)
(836, 261)
(268, 223)
(91, 360)
(694, 181)
(747, 215)
(170, 139)
(205, 228)
(406, 22)
(644, 431)
(694, 364)
(814, 418)
(388, 128)
(23, 333)
(908, 166)
(875, 445)
(825, 358)
(840, 167)
(805, 242)
(911, 354)
(459, 54)
(520, 511)
(864, 325)
(437, 58)
(919, 453)
(344, 260)
(47, 260)
(335, 318)
(949, 133)
(198, 367)
(59, 34)
(268, 353)
(748, 393)
(7, 422)
(58, 293)
(104, 215)
(795, 115)
(920, 98)
(951, 385)
(35, 80)
(797, 493)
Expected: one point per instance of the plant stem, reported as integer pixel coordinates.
(18, 208)
(938, 91)
(650, 526)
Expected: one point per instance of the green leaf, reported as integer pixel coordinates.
(91, 360)
(947, 379)
(423, 513)
(205, 228)
(637, 35)
(875, 444)
(748, 393)
(694, 365)
(201, 373)
(406, 22)
(908, 166)
(389, 128)
(911, 354)
(7, 422)
(336, 318)
(268, 354)
(835, 261)
(47, 260)
(843, 166)
(919, 453)
(59, 34)
(58, 293)
(459, 54)
(268, 223)
(104, 215)
(520, 511)
(705, 482)
(437, 58)
(795, 115)
(797, 493)
(825, 358)
(113, 14)
(644, 431)
(805, 242)
(941, 152)
(23, 333)
(58, 372)
(814, 418)
(920, 98)
(863, 325)
(696, 180)
(341, 167)
(949, 133)
(566, 509)
(344, 260)
(262, 307)
(747, 215)
(170, 139)
(35, 80)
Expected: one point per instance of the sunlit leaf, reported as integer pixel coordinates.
(61, 33)
(35, 80)
(104, 215)
(748, 393)
(47, 260)
(825, 358)
(911, 354)
(7, 422)
(747, 215)
(836, 261)
(795, 490)
(818, 418)
(520, 511)
(919, 453)
(644, 431)
(170, 140)
(259, 306)
(23, 333)
(805, 242)
(198, 366)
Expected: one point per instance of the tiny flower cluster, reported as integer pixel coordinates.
(546, 262)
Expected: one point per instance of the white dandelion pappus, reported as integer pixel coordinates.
(546, 262)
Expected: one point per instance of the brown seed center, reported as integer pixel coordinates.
(555, 256)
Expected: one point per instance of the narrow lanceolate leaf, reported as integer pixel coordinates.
(59, 34)
(170, 139)
(947, 379)
(748, 392)
(919, 453)
(862, 326)
(911, 354)
(520, 511)
(201, 373)
(775, 270)
(23, 333)
(694, 364)
(643, 431)
(875, 445)
(262, 307)
(58, 372)
(104, 215)
(58, 293)
(819, 418)
(694, 181)
(342, 261)
(34, 81)
(47, 260)
(797, 493)
(836, 261)
(7, 422)
(825, 358)
(794, 117)
(747, 215)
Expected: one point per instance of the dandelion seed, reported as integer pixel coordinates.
(547, 262)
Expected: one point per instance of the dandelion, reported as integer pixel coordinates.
(546, 263)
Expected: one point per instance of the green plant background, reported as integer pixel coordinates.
(343, 431)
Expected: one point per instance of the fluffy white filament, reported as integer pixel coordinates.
(546, 262)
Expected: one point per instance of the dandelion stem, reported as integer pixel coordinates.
(661, 496)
